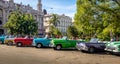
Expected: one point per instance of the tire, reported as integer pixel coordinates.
(1, 42)
(10, 43)
(19, 44)
(58, 47)
(91, 50)
(82, 51)
(39, 45)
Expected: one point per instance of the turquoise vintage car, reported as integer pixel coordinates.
(2, 38)
(41, 42)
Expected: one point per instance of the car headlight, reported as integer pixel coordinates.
(82, 44)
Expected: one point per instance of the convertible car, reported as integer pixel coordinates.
(113, 47)
(2, 38)
(91, 46)
(26, 41)
(58, 44)
(41, 42)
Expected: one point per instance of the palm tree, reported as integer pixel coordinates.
(54, 20)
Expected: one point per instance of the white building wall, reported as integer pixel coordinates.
(65, 22)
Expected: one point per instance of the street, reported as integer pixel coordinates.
(31, 55)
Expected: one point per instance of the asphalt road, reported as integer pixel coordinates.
(31, 55)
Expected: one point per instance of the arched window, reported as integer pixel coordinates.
(35, 17)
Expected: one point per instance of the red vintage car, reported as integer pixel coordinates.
(23, 41)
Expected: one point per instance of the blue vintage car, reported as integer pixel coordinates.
(41, 42)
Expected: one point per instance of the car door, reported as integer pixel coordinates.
(72, 43)
(47, 42)
(29, 41)
(67, 43)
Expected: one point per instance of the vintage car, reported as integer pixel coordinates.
(26, 41)
(9, 40)
(91, 46)
(41, 42)
(113, 47)
(2, 38)
(58, 44)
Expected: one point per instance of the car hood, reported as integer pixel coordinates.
(113, 43)
(10, 38)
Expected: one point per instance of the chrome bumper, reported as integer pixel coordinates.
(81, 48)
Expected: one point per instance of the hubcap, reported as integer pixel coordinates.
(19, 44)
(39, 45)
(58, 47)
(91, 50)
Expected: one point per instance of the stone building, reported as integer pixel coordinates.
(6, 7)
(62, 26)
(65, 22)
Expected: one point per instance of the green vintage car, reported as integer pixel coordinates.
(113, 47)
(64, 43)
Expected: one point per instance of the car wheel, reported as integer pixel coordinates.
(19, 44)
(58, 47)
(91, 50)
(82, 51)
(39, 46)
(1, 42)
(10, 43)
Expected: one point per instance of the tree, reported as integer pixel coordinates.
(72, 31)
(98, 17)
(86, 21)
(54, 31)
(19, 23)
(53, 22)
(44, 11)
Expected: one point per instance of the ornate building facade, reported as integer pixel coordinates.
(62, 26)
(6, 7)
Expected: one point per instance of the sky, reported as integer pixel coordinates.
(67, 7)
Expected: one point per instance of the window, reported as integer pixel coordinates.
(1, 13)
(0, 22)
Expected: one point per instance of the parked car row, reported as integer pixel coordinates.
(63, 43)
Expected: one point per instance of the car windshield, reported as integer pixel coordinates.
(94, 40)
(64, 37)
